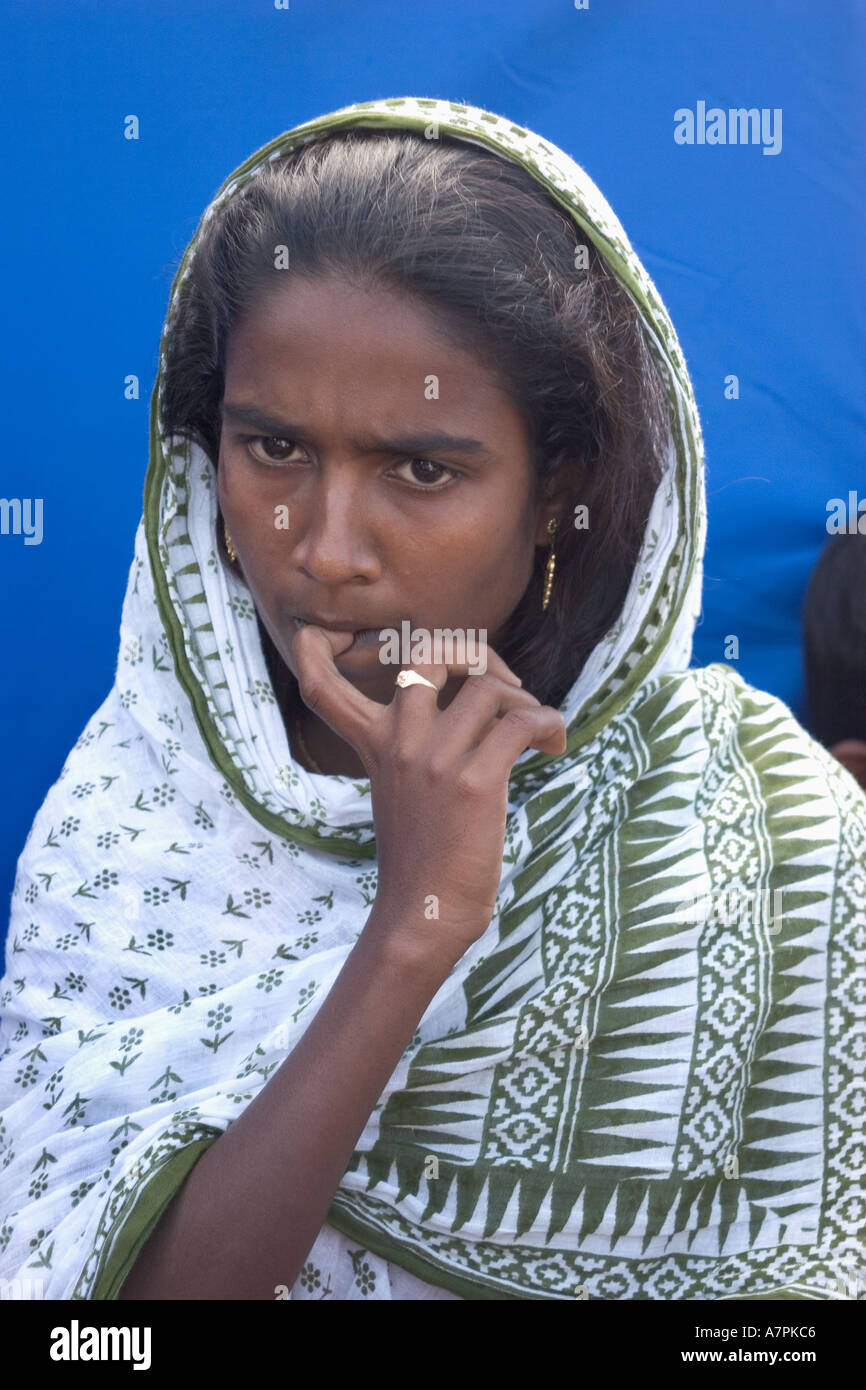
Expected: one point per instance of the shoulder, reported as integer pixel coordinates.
(766, 730)
(728, 742)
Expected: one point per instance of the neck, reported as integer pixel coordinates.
(332, 754)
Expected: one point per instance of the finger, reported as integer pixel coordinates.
(476, 707)
(498, 667)
(440, 672)
(487, 659)
(414, 712)
(542, 728)
(326, 692)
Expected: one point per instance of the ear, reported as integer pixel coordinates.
(554, 507)
(851, 753)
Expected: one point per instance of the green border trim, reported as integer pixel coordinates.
(147, 1210)
(427, 1269)
(348, 1224)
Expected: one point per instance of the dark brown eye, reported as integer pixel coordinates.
(285, 445)
(421, 467)
(269, 448)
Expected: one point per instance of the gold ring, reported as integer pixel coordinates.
(414, 678)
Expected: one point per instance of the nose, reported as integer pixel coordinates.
(335, 541)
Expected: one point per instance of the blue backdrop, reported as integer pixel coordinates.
(759, 258)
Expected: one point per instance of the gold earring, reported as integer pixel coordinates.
(551, 564)
(232, 553)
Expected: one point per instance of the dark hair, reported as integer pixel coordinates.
(834, 639)
(474, 236)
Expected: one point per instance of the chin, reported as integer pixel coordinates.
(376, 684)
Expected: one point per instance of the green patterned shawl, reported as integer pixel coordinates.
(627, 1090)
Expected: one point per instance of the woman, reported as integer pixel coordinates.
(338, 970)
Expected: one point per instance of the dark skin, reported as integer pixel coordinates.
(363, 546)
(369, 528)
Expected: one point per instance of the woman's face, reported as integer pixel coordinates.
(397, 460)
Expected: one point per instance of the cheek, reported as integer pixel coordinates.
(506, 555)
(249, 516)
(486, 577)
(234, 479)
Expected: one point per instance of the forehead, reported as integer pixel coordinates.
(333, 345)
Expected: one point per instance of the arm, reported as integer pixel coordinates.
(249, 1212)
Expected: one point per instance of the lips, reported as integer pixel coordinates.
(335, 627)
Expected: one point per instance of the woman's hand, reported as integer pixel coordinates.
(439, 786)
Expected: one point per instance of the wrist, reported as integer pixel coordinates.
(404, 953)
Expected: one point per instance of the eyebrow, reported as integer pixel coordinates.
(408, 444)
